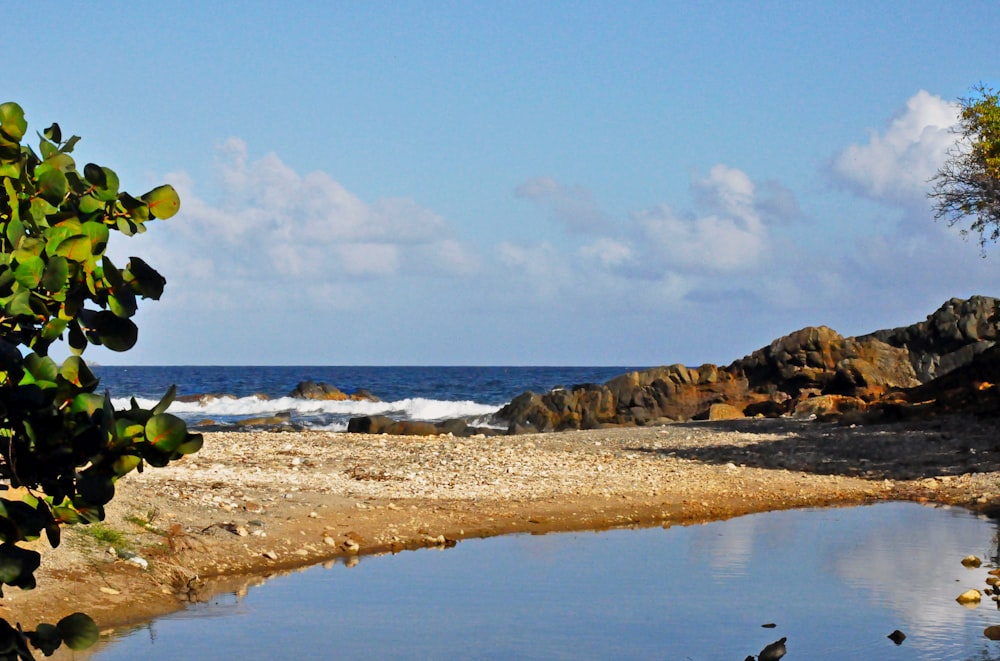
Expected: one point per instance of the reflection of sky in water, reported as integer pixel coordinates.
(836, 582)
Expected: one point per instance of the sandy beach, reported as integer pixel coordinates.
(252, 505)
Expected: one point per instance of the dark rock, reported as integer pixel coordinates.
(364, 395)
(411, 428)
(455, 427)
(369, 424)
(767, 408)
(774, 651)
(324, 391)
(948, 338)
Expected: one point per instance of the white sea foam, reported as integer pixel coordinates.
(413, 409)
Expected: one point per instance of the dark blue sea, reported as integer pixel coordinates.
(227, 395)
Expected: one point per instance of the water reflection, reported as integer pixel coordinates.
(835, 582)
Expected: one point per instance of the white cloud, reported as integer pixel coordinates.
(728, 231)
(266, 220)
(895, 165)
(573, 206)
(608, 252)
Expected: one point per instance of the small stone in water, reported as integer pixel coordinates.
(971, 561)
(897, 637)
(993, 632)
(969, 597)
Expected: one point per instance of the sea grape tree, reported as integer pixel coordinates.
(967, 187)
(62, 444)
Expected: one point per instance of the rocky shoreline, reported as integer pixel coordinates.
(251, 505)
(947, 363)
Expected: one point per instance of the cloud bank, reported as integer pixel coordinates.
(718, 274)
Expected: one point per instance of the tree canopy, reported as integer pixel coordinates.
(967, 187)
(62, 445)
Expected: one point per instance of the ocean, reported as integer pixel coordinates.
(407, 392)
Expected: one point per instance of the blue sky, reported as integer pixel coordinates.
(517, 182)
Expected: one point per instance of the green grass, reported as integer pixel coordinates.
(103, 534)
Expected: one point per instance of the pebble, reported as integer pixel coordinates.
(970, 597)
(270, 555)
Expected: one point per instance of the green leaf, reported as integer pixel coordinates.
(29, 272)
(109, 190)
(70, 144)
(78, 631)
(144, 279)
(90, 204)
(53, 133)
(114, 332)
(75, 248)
(166, 432)
(66, 514)
(125, 464)
(77, 338)
(27, 248)
(75, 370)
(53, 329)
(95, 175)
(20, 305)
(87, 402)
(127, 431)
(193, 443)
(96, 489)
(48, 149)
(165, 401)
(17, 565)
(52, 183)
(99, 234)
(12, 122)
(15, 231)
(42, 368)
(56, 275)
(163, 201)
(123, 304)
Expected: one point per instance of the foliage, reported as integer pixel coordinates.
(61, 444)
(968, 185)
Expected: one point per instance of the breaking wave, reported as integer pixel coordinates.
(319, 414)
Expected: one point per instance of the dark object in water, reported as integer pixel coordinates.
(774, 651)
(897, 637)
(769, 625)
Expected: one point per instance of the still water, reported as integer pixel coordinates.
(834, 582)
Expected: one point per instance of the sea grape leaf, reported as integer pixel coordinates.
(12, 122)
(163, 201)
(144, 278)
(166, 432)
(56, 273)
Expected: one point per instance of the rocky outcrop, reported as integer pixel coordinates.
(812, 372)
(324, 391)
(949, 338)
(818, 360)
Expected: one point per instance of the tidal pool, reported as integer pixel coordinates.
(834, 582)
